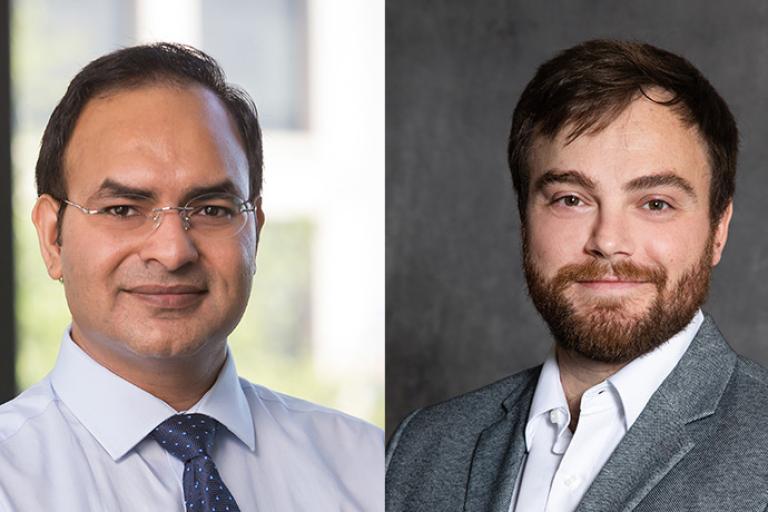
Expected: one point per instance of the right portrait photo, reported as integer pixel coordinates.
(576, 256)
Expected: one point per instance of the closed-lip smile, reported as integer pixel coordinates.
(611, 283)
(178, 296)
(157, 289)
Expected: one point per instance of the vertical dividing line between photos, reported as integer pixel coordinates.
(7, 310)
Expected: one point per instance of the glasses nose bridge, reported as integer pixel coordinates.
(182, 211)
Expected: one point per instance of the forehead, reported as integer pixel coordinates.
(646, 138)
(160, 137)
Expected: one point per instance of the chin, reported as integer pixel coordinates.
(168, 343)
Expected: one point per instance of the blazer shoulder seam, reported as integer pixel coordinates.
(752, 370)
(396, 437)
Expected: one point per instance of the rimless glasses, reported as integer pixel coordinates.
(216, 215)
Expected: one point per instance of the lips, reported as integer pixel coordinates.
(168, 297)
(611, 284)
(164, 289)
(611, 280)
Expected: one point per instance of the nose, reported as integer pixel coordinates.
(170, 243)
(610, 236)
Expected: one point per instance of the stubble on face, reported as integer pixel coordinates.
(606, 329)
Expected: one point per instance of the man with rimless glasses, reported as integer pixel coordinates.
(149, 213)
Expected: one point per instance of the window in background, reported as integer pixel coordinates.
(315, 323)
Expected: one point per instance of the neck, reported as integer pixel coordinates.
(578, 374)
(178, 381)
(180, 385)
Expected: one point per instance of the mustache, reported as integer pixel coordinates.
(147, 282)
(595, 270)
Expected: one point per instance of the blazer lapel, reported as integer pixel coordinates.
(649, 450)
(660, 437)
(499, 453)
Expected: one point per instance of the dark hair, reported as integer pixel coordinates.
(133, 67)
(586, 87)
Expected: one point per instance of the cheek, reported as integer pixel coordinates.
(233, 264)
(248, 240)
(678, 247)
(247, 253)
(553, 243)
(89, 263)
(674, 251)
(90, 277)
(662, 249)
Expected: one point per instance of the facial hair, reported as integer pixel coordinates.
(607, 329)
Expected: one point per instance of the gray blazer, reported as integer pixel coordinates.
(701, 444)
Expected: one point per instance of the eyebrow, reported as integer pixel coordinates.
(568, 177)
(661, 180)
(112, 188)
(222, 187)
(641, 183)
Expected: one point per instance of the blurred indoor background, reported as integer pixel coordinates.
(314, 327)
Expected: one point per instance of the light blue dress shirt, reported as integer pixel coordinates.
(77, 441)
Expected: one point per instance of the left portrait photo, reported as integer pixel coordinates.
(192, 255)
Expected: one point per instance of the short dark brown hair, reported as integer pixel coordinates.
(586, 87)
(134, 67)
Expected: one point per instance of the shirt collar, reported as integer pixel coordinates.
(226, 402)
(638, 381)
(635, 383)
(120, 415)
(547, 397)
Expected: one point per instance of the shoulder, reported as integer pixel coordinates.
(747, 385)
(337, 450)
(429, 456)
(750, 382)
(472, 411)
(451, 428)
(754, 373)
(712, 373)
(26, 413)
(305, 418)
(731, 391)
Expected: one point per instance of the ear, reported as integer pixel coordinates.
(259, 214)
(721, 234)
(44, 216)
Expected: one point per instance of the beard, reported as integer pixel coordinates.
(610, 329)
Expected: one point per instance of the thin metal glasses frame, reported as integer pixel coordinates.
(157, 213)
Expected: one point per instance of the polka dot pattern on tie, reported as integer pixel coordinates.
(189, 438)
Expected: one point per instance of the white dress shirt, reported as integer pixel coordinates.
(77, 441)
(560, 466)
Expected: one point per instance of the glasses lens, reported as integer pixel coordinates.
(217, 215)
(122, 217)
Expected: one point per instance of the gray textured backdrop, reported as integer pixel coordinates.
(457, 311)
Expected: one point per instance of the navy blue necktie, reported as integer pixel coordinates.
(189, 437)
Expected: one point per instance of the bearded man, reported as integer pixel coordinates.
(623, 157)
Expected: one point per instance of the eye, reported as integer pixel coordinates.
(121, 210)
(569, 201)
(215, 210)
(657, 205)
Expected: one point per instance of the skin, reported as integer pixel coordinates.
(156, 310)
(587, 201)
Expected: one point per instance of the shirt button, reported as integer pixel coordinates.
(555, 416)
(572, 482)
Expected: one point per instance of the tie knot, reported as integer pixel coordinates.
(186, 436)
